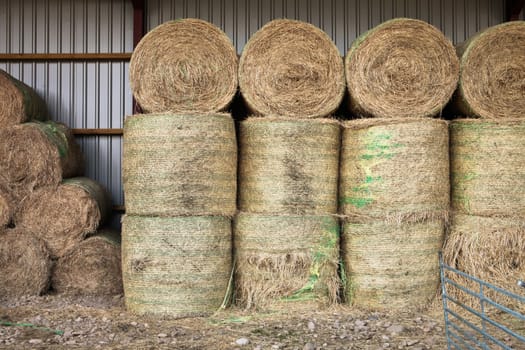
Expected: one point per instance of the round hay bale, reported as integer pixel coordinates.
(286, 259)
(486, 165)
(63, 216)
(182, 66)
(92, 267)
(492, 78)
(288, 166)
(395, 170)
(37, 154)
(6, 207)
(180, 165)
(18, 102)
(391, 266)
(400, 69)
(489, 248)
(291, 68)
(176, 266)
(25, 264)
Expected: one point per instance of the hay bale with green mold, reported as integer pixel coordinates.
(489, 248)
(403, 68)
(288, 166)
(391, 266)
(63, 216)
(492, 79)
(395, 170)
(486, 165)
(19, 103)
(180, 164)
(37, 154)
(176, 266)
(286, 261)
(92, 267)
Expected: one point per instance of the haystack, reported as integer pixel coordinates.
(403, 68)
(286, 259)
(182, 66)
(176, 266)
(25, 264)
(395, 170)
(288, 166)
(65, 215)
(391, 266)
(486, 165)
(291, 68)
(18, 102)
(492, 80)
(180, 164)
(37, 154)
(489, 248)
(6, 207)
(92, 267)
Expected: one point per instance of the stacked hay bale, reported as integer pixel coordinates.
(179, 172)
(486, 236)
(52, 212)
(394, 175)
(286, 236)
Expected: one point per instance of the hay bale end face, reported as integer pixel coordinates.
(18, 102)
(34, 155)
(286, 259)
(291, 68)
(6, 207)
(65, 215)
(403, 68)
(288, 166)
(181, 164)
(176, 266)
(92, 267)
(25, 264)
(489, 248)
(492, 79)
(391, 266)
(486, 158)
(182, 66)
(395, 170)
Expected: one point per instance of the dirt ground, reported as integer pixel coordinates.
(59, 322)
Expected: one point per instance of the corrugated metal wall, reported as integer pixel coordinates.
(97, 94)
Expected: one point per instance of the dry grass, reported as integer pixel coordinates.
(492, 80)
(182, 66)
(291, 68)
(288, 166)
(402, 68)
(180, 164)
(6, 207)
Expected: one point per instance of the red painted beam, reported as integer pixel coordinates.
(514, 8)
(138, 33)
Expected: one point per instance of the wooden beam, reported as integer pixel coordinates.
(97, 131)
(119, 208)
(514, 8)
(65, 57)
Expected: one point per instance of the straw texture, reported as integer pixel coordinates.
(487, 173)
(288, 166)
(6, 207)
(391, 266)
(180, 165)
(176, 266)
(25, 264)
(65, 215)
(37, 154)
(92, 267)
(395, 170)
(181, 66)
(492, 79)
(18, 102)
(489, 248)
(400, 69)
(291, 68)
(285, 259)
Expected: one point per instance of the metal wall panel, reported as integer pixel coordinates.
(79, 94)
(342, 20)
